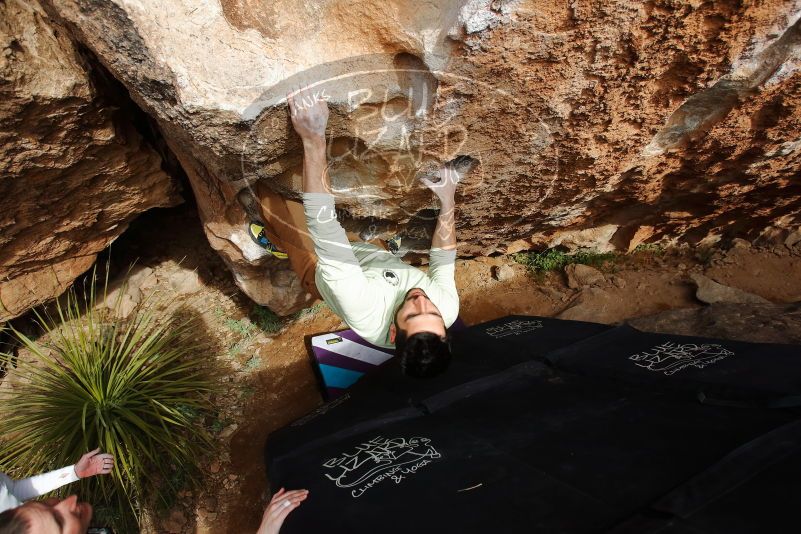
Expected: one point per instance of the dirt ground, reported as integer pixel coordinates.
(268, 378)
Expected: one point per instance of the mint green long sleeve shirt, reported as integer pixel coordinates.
(365, 284)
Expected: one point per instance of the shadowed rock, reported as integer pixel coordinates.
(757, 323)
(556, 104)
(712, 292)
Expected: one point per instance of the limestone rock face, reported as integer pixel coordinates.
(712, 292)
(590, 123)
(73, 172)
(579, 276)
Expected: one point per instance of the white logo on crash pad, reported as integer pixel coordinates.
(380, 459)
(670, 358)
(513, 328)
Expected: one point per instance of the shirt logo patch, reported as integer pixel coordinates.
(390, 277)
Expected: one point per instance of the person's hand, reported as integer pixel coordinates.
(93, 463)
(309, 112)
(445, 188)
(280, 505)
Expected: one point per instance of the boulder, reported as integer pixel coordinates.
(73, 169)
(793, 239)
(756, 323)
(579, 276)
(712, 292)
(503, 272)
(583, 120)
(185, 281)
(553, 294)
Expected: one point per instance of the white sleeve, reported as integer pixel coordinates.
(334, 252)
(442, 271)
(337, 265)
(36, 486)
(442, 268)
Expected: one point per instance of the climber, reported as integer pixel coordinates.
(384, 300)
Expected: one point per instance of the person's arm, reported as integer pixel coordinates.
(445, 189)
(336, 263)
(443, 243)
(92, 463)
(309, 112)
(282, 503)
(38, 485)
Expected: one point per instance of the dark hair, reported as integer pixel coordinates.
(422, 355)
(13, 522)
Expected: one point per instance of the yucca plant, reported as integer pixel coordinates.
(139, 388)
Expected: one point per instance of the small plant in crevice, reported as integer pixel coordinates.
(246, 392)
(218, 425)
(312, 310)
(243, 327)
(539, 263)
(266, 319)
(138, 388)
(654, 249)
(253, 363)
(6, 352)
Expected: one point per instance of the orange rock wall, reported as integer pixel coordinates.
(73, 171)
(593, 124)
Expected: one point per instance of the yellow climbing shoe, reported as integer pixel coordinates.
(256, 231)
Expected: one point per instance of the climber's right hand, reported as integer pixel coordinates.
(309, 112)
(445, 188)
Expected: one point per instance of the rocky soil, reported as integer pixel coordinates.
(268, 380)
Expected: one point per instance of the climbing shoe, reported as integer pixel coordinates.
(256, 231)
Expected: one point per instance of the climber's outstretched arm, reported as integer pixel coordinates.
(445, 232)
(340, 279)
(309, 112)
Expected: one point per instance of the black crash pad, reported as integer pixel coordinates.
(717, 370)
(515, 445)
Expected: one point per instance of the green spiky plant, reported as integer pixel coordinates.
(139, 388)
(5, 357)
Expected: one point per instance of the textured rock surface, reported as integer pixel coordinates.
(591, 304)
(712, 292)
(73, 171)
(593, 123)
(766, 323)
(579, 275)
(503, 272)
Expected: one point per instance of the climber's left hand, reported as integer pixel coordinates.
(309, 111)
(445, 188)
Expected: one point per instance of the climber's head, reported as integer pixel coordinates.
(56, 516)
(419, 335)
